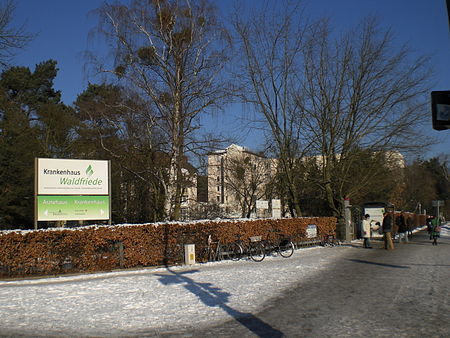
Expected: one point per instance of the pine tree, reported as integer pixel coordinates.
(33, 123)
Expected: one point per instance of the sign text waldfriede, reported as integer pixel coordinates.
(72, 177)
(68, 189)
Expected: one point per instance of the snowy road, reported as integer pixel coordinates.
(164, 301)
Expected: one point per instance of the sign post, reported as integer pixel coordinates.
(437, 204)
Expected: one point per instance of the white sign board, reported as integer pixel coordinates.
(276, 204)
(438, 203)
(311, 231)
(276, 208)
(72, 177)
(262, 204)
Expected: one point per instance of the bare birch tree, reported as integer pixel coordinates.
(12, 38)
(363, 97)
(170, 53)
(270, 46)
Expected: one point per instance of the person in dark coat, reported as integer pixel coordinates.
(401, 226)
(388, 227)
(409, 226)
(429, 226)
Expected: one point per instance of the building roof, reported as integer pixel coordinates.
(235, 147)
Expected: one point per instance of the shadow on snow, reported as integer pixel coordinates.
(215, 297)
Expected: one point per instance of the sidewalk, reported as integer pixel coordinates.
(111, 304)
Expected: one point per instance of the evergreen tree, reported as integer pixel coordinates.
(115, 125)
(33, 123)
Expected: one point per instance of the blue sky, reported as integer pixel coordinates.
(63, 27)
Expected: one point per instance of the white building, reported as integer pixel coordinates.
(237, 178)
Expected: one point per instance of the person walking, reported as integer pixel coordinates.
(435, 229)
(409, 226)
(429, 226)
(366, 228)
(401, 226)
(388, 226)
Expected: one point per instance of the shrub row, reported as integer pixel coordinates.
(100, 248)
(416, 220)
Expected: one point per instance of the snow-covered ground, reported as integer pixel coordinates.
(115, 303)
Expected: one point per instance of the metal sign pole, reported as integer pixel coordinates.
(36, 169)
(109, 191)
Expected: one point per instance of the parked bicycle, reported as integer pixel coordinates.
(254, 249)
(216, 251)
(212, 252)
(282, 244)
(330, 240)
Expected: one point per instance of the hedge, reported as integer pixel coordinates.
(104, 248)
(417, 220)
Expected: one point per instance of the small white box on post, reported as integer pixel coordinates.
(189, 254)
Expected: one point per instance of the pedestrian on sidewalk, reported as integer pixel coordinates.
(402, 229)
(366, 228)
(388, 226)
(409, 226)
(436, 229)
(429, 226)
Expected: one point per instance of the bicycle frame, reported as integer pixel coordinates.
(253, 249)
(212, 252)
(283, 245)
(216, 251)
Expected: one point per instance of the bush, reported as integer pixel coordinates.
(100, 248)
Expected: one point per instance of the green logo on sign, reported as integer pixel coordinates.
(89, 171)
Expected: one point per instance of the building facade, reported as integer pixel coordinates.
(237, 178)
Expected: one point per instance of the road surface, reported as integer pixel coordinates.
(370, 293)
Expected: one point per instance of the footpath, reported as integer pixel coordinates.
(363, 293)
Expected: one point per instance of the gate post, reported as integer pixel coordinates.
(348, 229)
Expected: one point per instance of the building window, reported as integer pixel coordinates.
(218, 199)
(184, 199)
(218, 188)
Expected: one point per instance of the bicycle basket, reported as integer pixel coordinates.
(255, 238)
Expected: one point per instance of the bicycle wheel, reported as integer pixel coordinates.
(235, 251)
(286, 248)
(256, 252)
